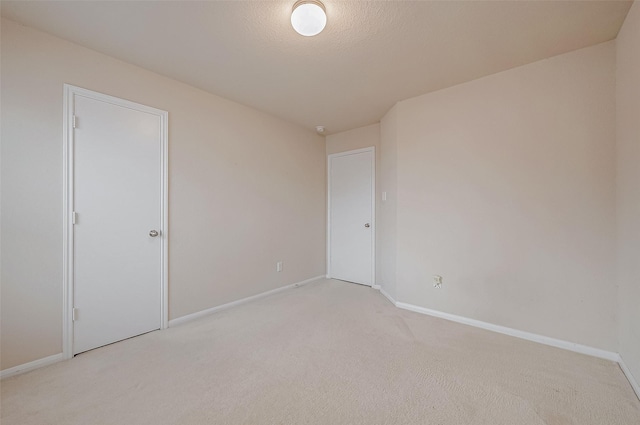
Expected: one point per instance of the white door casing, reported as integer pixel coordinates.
(351, 216)
(116, 193)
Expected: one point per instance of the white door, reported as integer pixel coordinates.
(118, 230)
(351, 216)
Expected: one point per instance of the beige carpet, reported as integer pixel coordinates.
(326, 353)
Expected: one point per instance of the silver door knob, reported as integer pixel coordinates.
(367, 225)
(153, 233)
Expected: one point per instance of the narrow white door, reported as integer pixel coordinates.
(117, 235)
(351, 217)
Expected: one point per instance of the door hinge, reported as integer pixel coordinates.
(74, 314)
(75, 121)
(74, 217)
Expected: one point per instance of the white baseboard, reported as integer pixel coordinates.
(378, 287)
(27, 367)
(578, 348)
(630, 377)
(199, 314)
(558, 343)
(571, 346)
(23, 368)
(389, 297)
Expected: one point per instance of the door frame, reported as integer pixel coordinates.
(70, 92)
(330, 157)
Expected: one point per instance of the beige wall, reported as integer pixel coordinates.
(245, 189)
(506, 188)
(358, 138)
(387, 225)
(628, 188)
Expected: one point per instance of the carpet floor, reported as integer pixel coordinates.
(326, 353)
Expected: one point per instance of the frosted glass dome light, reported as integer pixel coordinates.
(308, 17)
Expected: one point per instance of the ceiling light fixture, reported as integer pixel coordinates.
(308, 17)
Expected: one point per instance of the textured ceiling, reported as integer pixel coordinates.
(371, 54)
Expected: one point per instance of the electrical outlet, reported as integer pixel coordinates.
(437, 281)
(279, 266)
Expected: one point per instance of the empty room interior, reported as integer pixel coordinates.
(358, 212)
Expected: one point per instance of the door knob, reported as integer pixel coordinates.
(367, 225)
(153, 233)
